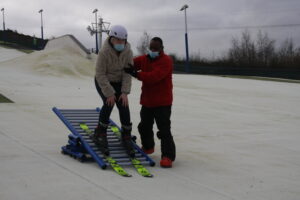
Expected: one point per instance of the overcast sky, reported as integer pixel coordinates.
(211, 23)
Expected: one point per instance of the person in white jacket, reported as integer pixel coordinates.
(113, 86)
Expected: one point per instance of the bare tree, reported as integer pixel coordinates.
(248, 49)
(287, 53)
(143, 43)
(243, 51)
(287, 48)
(235, 51)
(258, 52)
(265, 49)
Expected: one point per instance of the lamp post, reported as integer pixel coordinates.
(42, 30)
(3, 19)
(187, 68)
(96, 29)
(100, 32)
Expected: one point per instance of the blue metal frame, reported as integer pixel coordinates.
(87, 147)
(98, 159)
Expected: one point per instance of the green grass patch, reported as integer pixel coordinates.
(4, 99)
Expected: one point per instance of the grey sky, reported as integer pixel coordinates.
(207, 20)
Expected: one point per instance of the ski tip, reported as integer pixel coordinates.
(122, 173)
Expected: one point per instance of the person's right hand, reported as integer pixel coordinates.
(111, 100)
(131, 70)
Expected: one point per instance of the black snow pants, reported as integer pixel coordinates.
(161, 115)
(106, 110)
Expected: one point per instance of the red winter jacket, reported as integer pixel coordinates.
(156, 76)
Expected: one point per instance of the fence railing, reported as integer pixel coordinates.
(27, 41)
(288, 73)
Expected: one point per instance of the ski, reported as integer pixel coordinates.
(135, 162)
(112, 162)
(140, 168)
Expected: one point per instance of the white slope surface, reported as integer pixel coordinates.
(7, 54)
(236, 139)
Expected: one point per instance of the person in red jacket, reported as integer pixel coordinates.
(155, 71)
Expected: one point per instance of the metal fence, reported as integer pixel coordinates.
(27, 41)
(284, 72)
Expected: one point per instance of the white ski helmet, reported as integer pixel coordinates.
(118, 31)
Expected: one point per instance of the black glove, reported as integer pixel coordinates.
(131, 70)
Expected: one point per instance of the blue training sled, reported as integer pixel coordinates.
(80, 146)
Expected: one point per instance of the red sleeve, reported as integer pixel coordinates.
(137, 62)
(159, 72)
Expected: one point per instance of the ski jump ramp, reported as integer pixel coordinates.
(68, 40)
(80, 145)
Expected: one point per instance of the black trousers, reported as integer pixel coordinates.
(161, 115)
(106, 110)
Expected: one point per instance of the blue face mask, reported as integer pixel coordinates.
(119, 47)
(153, 54)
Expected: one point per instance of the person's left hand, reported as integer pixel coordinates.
(124, 99)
